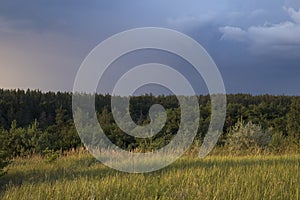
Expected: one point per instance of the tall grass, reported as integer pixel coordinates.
(79, 176)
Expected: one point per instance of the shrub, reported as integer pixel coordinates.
(3, 163)
(278, 142)
(247, 137)
(50, 155)
(3, 152)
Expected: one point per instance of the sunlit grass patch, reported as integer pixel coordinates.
(80, 176)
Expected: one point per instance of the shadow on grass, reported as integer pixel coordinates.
(55, 171)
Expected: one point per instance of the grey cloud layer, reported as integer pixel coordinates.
(281, 37)
(249, 40)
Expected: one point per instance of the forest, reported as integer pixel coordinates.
(32, 122)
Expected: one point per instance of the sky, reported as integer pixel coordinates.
(255, 43)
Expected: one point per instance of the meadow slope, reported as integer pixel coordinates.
(79, 176)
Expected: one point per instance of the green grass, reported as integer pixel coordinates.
(82, 177)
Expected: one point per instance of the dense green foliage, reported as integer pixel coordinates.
(33, 121)
(79, 176)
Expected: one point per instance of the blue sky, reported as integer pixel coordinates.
(255, 43)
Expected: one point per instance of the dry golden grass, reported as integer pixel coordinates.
(79, 176)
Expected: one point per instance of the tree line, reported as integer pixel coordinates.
(33, 121)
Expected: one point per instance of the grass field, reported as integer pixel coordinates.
(79, 176)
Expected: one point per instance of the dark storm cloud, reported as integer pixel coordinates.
(256, 49)
(276, 39)
(255, 43)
